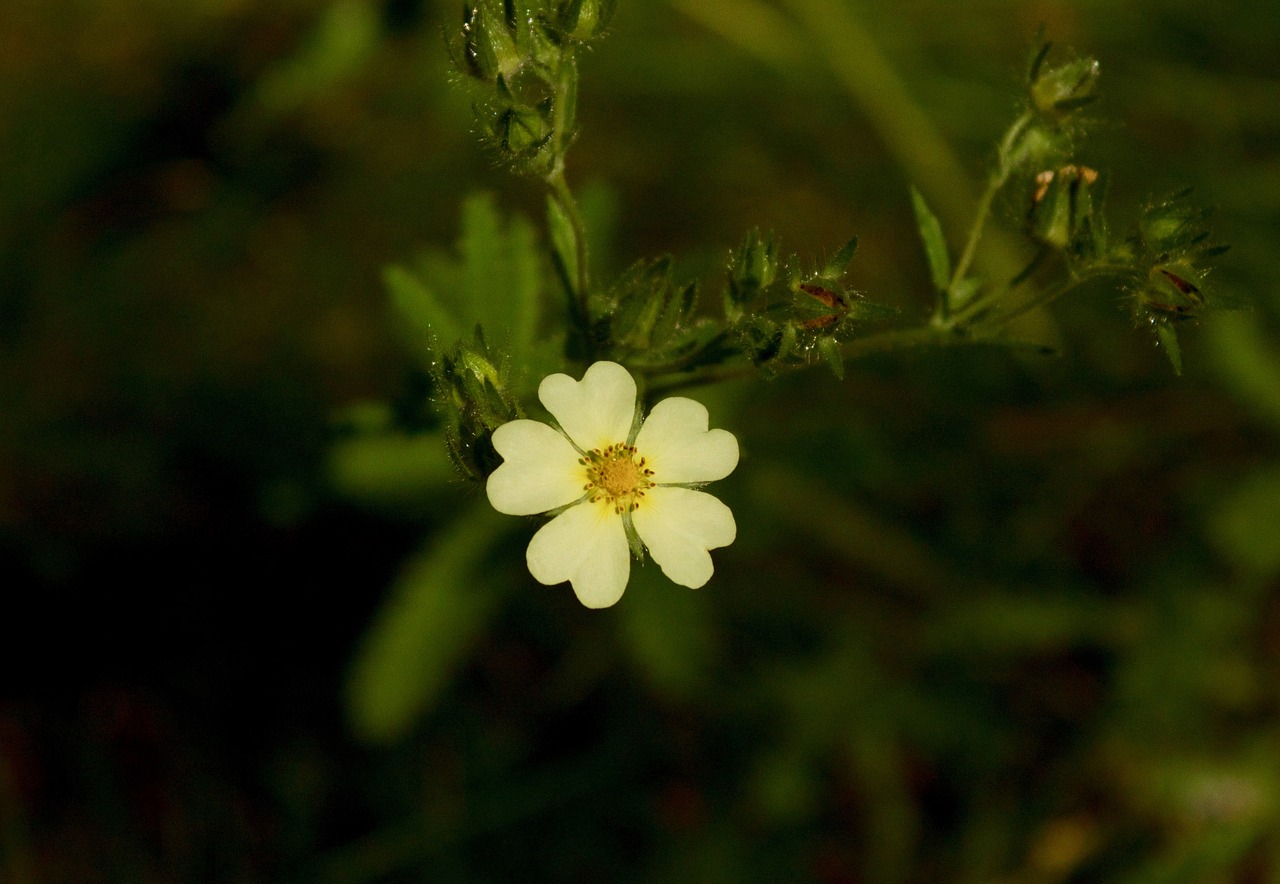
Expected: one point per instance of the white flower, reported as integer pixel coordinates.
(614, 485)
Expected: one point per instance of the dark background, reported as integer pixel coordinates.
(990, 617)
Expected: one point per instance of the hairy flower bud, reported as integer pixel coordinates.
(1059, 92)
(581, 20)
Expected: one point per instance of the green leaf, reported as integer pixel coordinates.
(495, 281)
(1168, 338)
(1243, 525)
(418, 304)
(390, 466)
(423, 630)
(935, 247)
(1248, 362)
(667, 632)
(343, 40)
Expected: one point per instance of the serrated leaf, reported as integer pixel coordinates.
(418, 304)
(422, 631)
(839, 263)
(502, 279)
(935, 247)
(1168, 338)
(495, 281)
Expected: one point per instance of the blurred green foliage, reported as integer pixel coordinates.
(990, 617)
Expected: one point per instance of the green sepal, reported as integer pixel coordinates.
(839, 263)
(1038, 57)
(829, 348)
(752, 268)
(580, 20)
(633, 539)
(632, 305)
(473, 397)
(1059, 92)
(486, 46)
(1168, 338)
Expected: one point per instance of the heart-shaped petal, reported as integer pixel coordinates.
(679, 526)
(678, 447)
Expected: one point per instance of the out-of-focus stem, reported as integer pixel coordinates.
(881, 342)
(1005, 164)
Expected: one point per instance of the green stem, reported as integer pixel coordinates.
(881, 342)
(1048, 296)
(564, 196)
(564, 101)
(997, 180)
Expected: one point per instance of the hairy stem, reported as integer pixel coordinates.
(998, 178)
(881, 342)
(564, 197)
(1048, 296)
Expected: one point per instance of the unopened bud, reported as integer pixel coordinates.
(1059, 92)
(1062, 205)
(580, 20)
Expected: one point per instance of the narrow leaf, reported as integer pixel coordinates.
(935, 247)
(423, 630)
(390, 466)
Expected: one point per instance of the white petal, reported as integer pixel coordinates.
(678, 526)
(587, 546)
(596, 411)
(540, 470)
(678, 447)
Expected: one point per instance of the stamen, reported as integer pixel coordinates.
(615, 474)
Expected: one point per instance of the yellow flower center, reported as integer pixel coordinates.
(615, 474)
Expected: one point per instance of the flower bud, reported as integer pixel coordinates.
(580, 20)
(1061, 213)
(753, 267)
(1059, 92)
(486, 46)
(1173, 291)
(520, 131)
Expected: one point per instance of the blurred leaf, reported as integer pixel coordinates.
(416, 302)
(343, 40)
(1243, 526)
(935, 247)
(390, 466)
(423, 629)
(502, 280)
(494, 282)
(666, 631)
(1248, 362)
